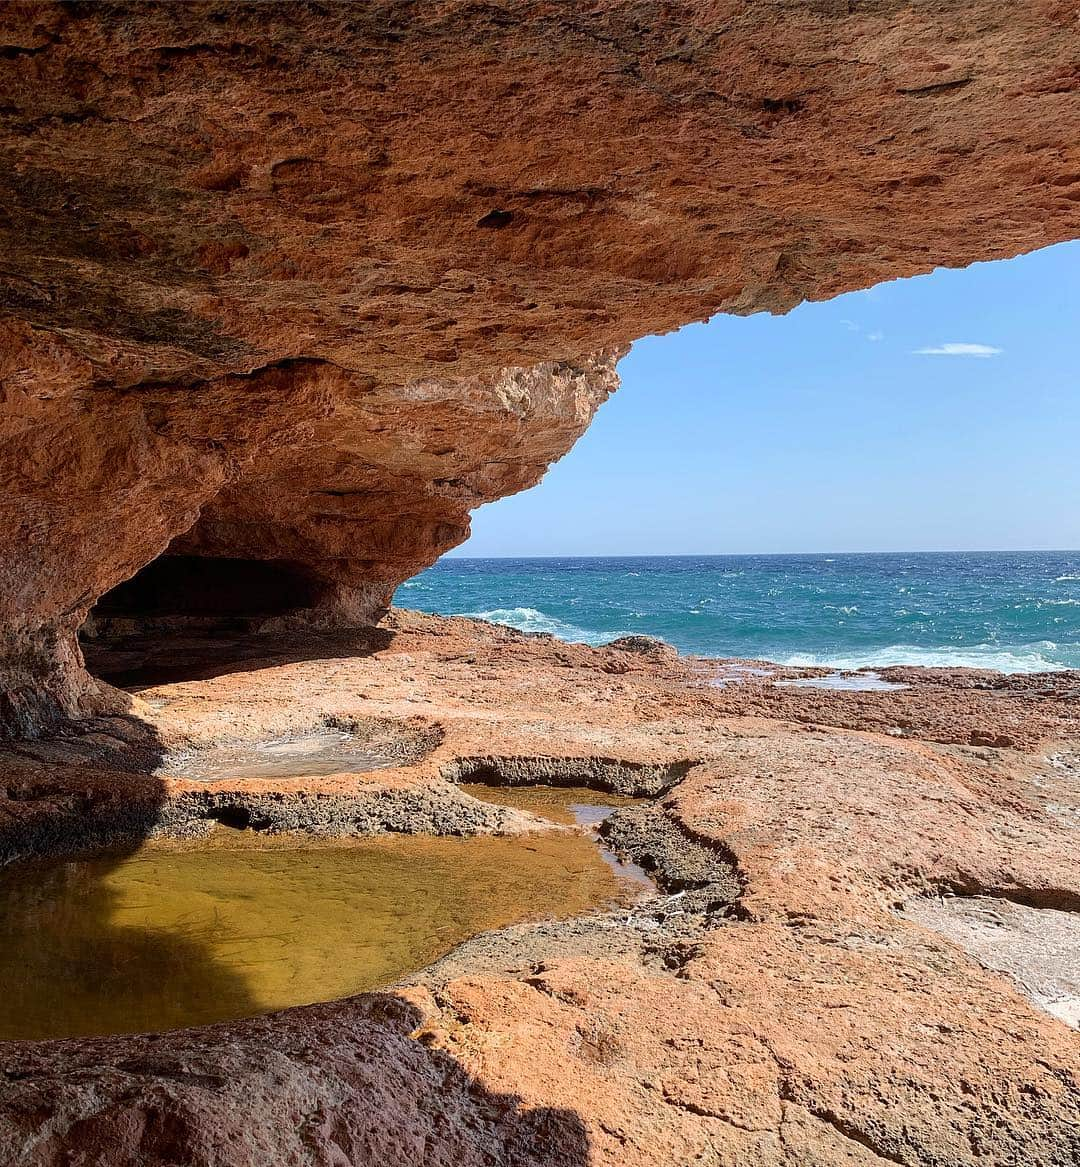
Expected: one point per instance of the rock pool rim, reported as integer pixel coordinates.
(597, 772)
(656, 860)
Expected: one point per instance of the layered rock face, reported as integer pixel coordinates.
(294, 286)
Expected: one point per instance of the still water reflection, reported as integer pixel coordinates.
(184, 935)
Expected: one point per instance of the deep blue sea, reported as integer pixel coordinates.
(1016, 611)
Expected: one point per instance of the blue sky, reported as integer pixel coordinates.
(831, 429)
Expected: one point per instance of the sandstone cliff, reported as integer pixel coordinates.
(294, 286)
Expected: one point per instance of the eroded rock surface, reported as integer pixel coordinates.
(312, 496)
(774, 1005)
(294, 286)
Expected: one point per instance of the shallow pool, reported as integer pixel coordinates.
(844, 683)
(307, 756)
(560, 804)
(177, 935)
(571, 805)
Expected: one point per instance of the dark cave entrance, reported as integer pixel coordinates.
(193, 587)
(185, 616)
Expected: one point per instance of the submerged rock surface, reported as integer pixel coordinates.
(293, 287)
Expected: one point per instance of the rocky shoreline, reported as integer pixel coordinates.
(781, 998)
(289, 290)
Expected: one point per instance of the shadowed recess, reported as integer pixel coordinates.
(188, 585)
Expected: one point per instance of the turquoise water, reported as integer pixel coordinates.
(1017, 612)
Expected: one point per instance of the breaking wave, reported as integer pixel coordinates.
(1023, 658)
(533, 620)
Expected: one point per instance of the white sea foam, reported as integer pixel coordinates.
(1021, 658)
(1066, 578)
(533, 620)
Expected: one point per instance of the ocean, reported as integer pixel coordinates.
(1011, 611)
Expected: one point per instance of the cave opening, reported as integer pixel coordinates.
(182, 586)
(183, 616)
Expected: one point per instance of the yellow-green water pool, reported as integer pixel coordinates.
(177, 935)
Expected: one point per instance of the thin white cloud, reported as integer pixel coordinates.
(956, 349)
(851, 326)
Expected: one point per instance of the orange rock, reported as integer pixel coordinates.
(810, 1021)
(303, 285)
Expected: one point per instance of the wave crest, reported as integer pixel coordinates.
(1019, 658)
(533, 620)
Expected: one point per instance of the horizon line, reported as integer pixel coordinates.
(782, 554)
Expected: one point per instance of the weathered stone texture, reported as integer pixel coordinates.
(302, 283)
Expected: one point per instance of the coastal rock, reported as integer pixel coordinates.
(288, 289)
(788, 999)
(651, 647)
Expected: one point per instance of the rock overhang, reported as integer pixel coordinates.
(306, 283)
